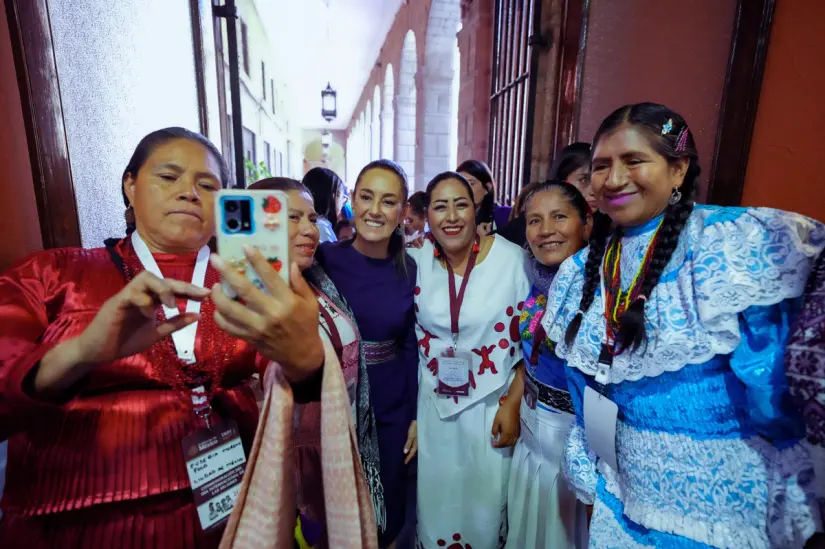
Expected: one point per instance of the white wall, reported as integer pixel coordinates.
(280, 129)
(126, 68)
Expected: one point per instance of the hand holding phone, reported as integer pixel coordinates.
(280, 321)
(256, 219)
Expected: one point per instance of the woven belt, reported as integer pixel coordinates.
(378, 352)
(552, 397)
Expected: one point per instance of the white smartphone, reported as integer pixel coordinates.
(257, 219)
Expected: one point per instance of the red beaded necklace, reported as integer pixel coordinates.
(617, 301)
(213, 356)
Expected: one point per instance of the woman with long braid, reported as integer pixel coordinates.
(673, 325)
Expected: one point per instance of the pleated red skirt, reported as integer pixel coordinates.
(166, 521)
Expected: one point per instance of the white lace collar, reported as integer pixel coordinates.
(728, 259)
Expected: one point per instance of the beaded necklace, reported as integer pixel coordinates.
(617, 301)
(212, 358)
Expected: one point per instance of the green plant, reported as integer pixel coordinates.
(255, 172)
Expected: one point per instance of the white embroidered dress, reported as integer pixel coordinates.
(707, 440)
(462, 483)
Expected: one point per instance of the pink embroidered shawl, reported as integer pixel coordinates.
(264, 514)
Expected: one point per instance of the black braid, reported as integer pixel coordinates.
(632, 333)
(592, 274)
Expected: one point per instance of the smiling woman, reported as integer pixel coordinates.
(374, 266)
(673, 324)
(468, 301)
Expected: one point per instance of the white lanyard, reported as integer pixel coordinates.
(183, 339)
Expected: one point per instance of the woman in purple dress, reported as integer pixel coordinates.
(377, 279)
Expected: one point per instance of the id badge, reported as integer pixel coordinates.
(454, 374)
(215, 463)
(529, 405)
(600, 417)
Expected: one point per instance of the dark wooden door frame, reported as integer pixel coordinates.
(740, 96)
(200, 62)
(37, 78)
(39, 83)
(740, 100)
(571, 68)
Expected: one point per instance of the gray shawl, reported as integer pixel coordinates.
(362, 409)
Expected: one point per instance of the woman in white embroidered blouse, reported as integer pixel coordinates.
(468, 360)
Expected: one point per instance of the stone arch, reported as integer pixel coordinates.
(350, 158)
(368, 132)
(388, 115)
(360, 155)
(375, 146)
(405, 137)
(439, 69)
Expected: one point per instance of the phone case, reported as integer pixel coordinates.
(255, 218)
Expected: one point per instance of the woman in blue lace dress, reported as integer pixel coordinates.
(673, 324)
(541, 508)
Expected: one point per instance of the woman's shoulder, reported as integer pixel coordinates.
(753, 256)
(326, 229)
(62, 258)
(503, 247)
(332, 251)
(754, 224)
(52, 266)
(418, 255)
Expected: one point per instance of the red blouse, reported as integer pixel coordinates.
(118, 439)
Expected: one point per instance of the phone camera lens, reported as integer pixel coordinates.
(231, 206)
(233, 225)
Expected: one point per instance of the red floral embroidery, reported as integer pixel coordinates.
(486, 364)
(515, 335)
(433, 366)
(457, 545)
(424, 342)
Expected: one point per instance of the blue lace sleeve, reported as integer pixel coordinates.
(758, 362)
(579, 460)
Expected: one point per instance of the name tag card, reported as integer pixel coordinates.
(215, 463)
(600, 417)
(529, 408)
(454, 375)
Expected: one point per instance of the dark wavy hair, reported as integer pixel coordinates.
(282, 184)
(571, 158)
(398, 245)
(147, 146)
(325, 187)
(418, 203)
(570, 192)
(481, 171)
(651, 119)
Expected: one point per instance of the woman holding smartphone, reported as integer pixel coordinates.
(96, 398)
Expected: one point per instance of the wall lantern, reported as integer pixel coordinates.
(329, 103)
